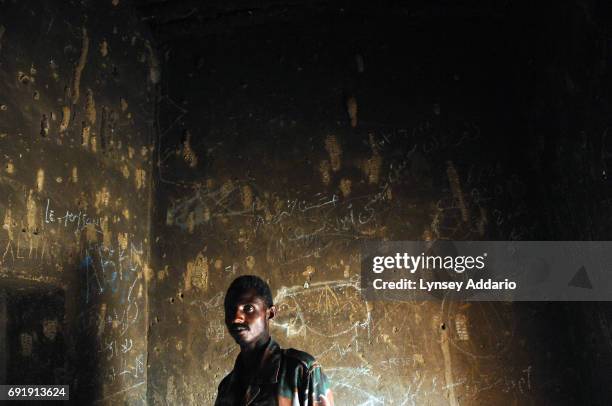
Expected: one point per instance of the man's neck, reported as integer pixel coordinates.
(250, 355)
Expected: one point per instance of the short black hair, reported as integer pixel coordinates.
(246, 282)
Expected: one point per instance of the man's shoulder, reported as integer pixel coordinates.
(224, 391)
(226, 379)
(302, 357)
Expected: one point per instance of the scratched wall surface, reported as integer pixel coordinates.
(75, 146)
(283, 145)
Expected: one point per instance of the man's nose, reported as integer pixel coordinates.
(238, 316)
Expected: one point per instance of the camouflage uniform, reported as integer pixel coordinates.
(286, 377)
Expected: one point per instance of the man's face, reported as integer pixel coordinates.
(247, 319)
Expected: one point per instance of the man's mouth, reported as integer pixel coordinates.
(238, 329)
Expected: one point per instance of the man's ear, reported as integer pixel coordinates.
(271, 312)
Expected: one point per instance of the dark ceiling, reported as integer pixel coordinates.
(180, 19)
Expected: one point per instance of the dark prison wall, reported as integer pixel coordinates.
(75, 132)
(283, 146)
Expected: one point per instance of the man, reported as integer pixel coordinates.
(264, 374)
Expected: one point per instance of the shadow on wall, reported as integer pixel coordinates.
(35, 340)
(32, 334)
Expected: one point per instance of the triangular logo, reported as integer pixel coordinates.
(581, 279)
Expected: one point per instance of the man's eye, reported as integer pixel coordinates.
(248, 308)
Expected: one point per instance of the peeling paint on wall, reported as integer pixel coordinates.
(44, 126)
(80, 65)
(218, 264)
(247, 197)
(93, 140)
(351, 108)
(187, 152)
(148, 273)
(345, 187)
(324, 170)
(104, 48)
(372, 168)
(32, 213)
(24, 78)
(65, 119)
(197, 273)
(85, 134)
(335, 152)
(163, 274)
(140, 178)
(309, 271)
(122, 240)
(347, 271)
(250, 262)
(90, 108)
(40, 180)
(107, 234)
(102, 199)
(8, 223)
